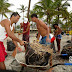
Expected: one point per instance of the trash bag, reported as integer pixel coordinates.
(62, 32)
(33, 58)
(10, 46)
(69, 41)
(67, 49)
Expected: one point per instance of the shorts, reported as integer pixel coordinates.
(59, 36)
(43, 40)
(2, 52)
(25, 38)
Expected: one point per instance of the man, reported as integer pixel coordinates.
(26, 30)
(6, 29)
(58, 35)
(43, 30)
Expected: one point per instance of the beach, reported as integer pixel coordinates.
(56, 59)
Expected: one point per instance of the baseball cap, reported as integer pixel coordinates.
(25, 20)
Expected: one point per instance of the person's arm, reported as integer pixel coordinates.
(47, 28)
(50, 29)
(21, 25)
(15, 42)
(38, 36)
(28, 27)
(58, 31)
(10, 34)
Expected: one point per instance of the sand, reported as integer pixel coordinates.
(56, 60)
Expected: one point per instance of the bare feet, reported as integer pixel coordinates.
(58, 52)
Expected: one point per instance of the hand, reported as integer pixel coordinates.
(19, 33)
(19, 49)
(22, 42)
(25, 42)
(48, 40)
(21, 23)
(37, 41)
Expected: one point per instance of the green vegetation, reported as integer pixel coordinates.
(4, 5)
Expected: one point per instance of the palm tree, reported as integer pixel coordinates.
(45, 8)
(28, 10)
(4, 8)
(70, 24)
(60, 7)
(65, 15)
(22, 9)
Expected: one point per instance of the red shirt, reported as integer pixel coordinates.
(25, 27)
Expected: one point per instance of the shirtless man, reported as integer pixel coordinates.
(43, 30)
(58, 35)
(6, 29)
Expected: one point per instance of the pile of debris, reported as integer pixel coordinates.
(37, 54)
(67, 49)
(10, 45)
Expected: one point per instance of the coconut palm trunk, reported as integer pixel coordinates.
(47, 17)
(58, 16)
(28, 10)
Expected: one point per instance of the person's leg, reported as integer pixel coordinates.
(58, 44)
(59, 40)
(27, 38)
(54, 47)
(50, 70)
(2, 56)
(24, 38)
(2, 66)
(3, 48)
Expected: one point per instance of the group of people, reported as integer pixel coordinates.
(7, 29)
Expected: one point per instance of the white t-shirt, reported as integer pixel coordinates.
(3, 34)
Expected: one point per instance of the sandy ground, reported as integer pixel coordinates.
(61, 68)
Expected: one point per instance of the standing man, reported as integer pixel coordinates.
(43, 30)
(58, 35)
(6, 29)
(26, 30)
